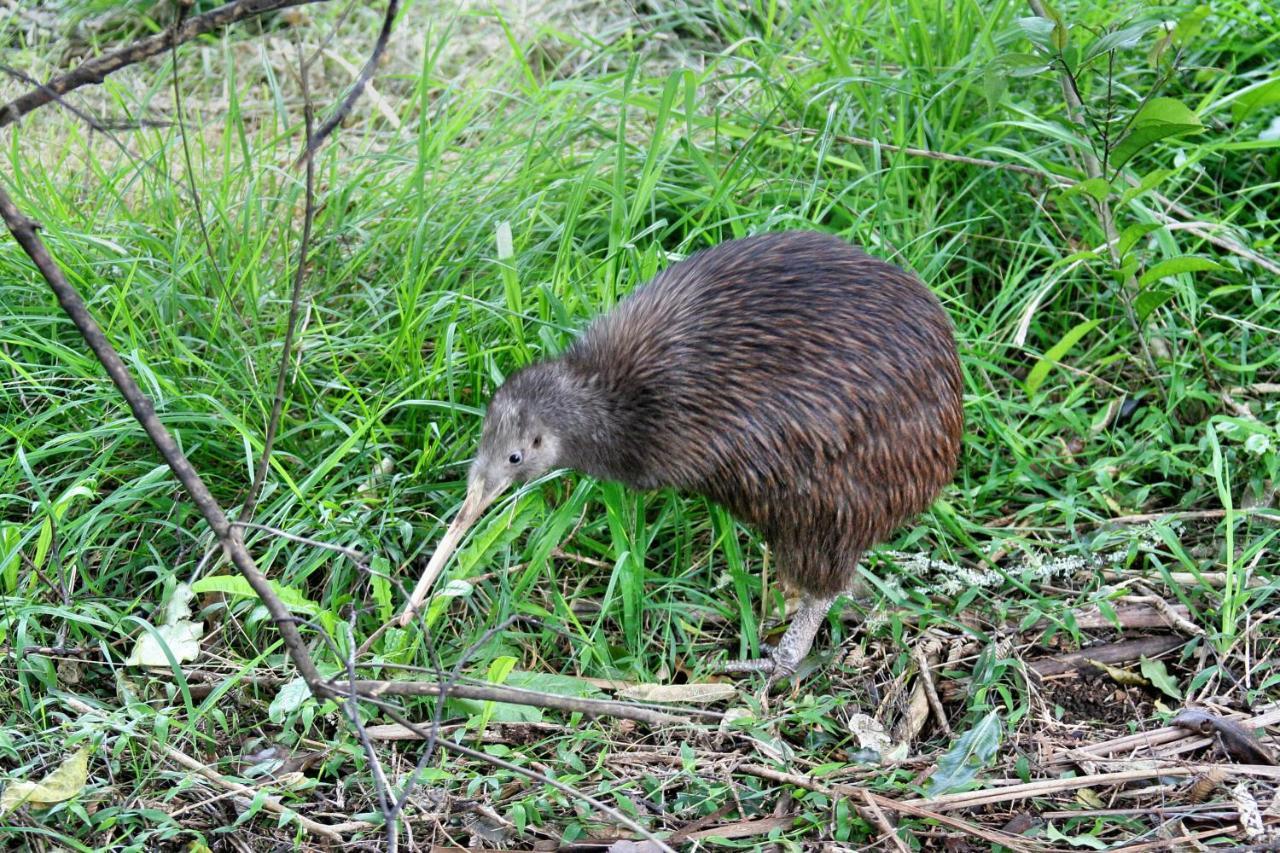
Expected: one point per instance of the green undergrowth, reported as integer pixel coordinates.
(535, 173)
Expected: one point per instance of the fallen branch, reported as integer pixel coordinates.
(1044, 787)
(520, 696)
(1122, 652)
(1176, 740)
(94, 71)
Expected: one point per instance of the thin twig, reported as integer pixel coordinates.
(355, 556)
(926, 659)
(451, 746)
(1094, 169)
(95, 70)
(1043, 787)
(520, 696)
(366, 74)
(299, 275)
(179, 14)
(24, 231)
(983, 162)
(269, 802)
(882, 823)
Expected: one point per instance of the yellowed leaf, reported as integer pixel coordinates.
(62, 784)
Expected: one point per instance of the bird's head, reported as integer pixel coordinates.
(521, 438)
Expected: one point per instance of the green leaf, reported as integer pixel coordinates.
(971, 753)
(1158, 119)
(498, 672)
(1022, 64)
(1149, 181)
(1150, 300)
(1131, 235)
(1155, 672)
(380, 586)
(1189, 25)
(1052, 833)
(1041, 370)
(1175, 266)
(1099, 188)
(1038, 29)
(1123, 38)
(1255, 99)
(236, 585)
(10, 535)
(289, 698)
(994, 84)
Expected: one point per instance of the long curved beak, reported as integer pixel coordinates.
(479, 495)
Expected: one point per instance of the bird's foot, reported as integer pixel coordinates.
(778, 662)
(783, 660)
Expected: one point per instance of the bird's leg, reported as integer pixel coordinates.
(782, 660)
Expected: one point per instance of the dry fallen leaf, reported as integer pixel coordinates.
(694, 694)
(178, 632)
(62, 784)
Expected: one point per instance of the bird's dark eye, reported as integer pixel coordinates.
(515, 458)
(537, 442)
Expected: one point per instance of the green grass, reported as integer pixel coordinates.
(608, 152)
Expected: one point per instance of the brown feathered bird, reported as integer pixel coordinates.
(810, 388)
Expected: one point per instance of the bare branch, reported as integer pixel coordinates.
(94, 71)
(24, 231)
(519, 696)
(366, 74)
(295, 299)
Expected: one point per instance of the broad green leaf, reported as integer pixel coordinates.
(1175, 266)
(994, 83)
(1150, 300)
(1149, 181)
(1099, 188)
(380, 587)
(1041, 370)
(1159, 118)
(1155, 672)
(62, 784)
(289, 698)
(1123, 38)
(1189, 25)
(1131, 235)
(498, 672)
(442, 599)
(9, 537)
(1022, 64)
(548, 682)
(1038, 29)
(236, 585)
(1052, 833)
(971, 753)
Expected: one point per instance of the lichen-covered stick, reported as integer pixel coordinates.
(813, 390)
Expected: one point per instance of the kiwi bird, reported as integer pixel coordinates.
(810, 388)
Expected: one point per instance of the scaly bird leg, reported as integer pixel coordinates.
(783, 660)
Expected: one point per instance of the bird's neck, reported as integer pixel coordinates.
(590, 416)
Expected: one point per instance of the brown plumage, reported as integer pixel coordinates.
(810, 388)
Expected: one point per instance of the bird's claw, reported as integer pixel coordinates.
(774, 663)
